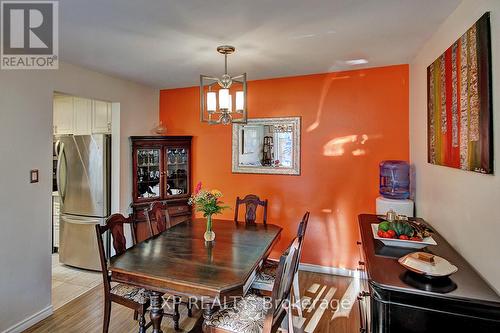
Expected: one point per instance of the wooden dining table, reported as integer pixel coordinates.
(179, 262)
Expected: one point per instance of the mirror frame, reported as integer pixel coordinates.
(294, 170)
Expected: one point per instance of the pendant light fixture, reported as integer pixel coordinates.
(223, 100)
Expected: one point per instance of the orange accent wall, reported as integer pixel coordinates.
(351, 121)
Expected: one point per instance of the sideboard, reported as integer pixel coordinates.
(396, 300)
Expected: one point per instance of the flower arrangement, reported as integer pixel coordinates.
(209, 203)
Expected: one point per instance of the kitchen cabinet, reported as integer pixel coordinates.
(63, 114)
(101, 117)
(161, 171)
(82, 114)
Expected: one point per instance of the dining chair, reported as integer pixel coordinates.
(157, 217)
(254, 313)
(265, 277)
(130, 296)
(158, 220)
(251, 202)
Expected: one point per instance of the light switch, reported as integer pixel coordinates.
(34, 176)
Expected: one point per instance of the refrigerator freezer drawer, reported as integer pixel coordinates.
(78, 242)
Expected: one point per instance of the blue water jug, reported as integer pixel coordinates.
(395, 179)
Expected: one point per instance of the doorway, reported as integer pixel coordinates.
(85, 190)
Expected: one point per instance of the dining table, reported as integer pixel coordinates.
(180, 262)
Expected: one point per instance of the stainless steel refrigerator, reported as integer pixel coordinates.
(83, 182)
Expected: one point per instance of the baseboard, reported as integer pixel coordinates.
(331, 270)
(30, 321)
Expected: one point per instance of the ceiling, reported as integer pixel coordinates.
(169, 43)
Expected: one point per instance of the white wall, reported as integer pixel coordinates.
(26, 143)
(463, 206)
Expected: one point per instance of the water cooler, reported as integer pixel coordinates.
(394, 188)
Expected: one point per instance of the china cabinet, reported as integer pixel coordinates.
(161, 171)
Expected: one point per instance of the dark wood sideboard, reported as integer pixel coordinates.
(161, 171)
(396, 300)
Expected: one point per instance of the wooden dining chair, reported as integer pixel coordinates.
(251, 202)
(265, 277)
(130, 296)
(254, 313)
(158, 218)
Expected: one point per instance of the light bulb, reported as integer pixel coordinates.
(240, 101)
(211, 101)
(224, 99)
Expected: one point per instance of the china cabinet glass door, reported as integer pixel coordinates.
(177, 162)
(148, 173)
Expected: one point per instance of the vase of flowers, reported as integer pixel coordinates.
(208, 202)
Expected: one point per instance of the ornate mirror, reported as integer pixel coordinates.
(267, 145)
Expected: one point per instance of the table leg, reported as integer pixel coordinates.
(176, 316)
(156, 311)
(208, 310)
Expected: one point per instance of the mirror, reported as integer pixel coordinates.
(267, 145)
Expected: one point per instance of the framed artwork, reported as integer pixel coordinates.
(459, 96)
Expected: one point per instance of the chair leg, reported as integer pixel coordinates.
(176, 315)
(296, 293)
(107, 315)
(286, 325)
(136, 315)
(290, 320)
(190, 309)
(142, 323)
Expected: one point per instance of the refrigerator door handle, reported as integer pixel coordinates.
(56, 147)
(60, 160)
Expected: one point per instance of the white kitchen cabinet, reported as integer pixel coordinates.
(101, 117)
(83, 116)
(63, 114)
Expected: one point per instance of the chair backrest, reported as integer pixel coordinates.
(301, 232)
(114, 224)
(303, 226)
(280, 298)
(158, 218)
(252, 202)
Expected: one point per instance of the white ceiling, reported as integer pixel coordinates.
(169, 43)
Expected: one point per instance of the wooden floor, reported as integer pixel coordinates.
(321, 297)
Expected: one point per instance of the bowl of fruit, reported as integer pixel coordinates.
(403, 233)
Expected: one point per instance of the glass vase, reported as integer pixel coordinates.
(209, 234)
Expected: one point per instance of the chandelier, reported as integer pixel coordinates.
(217, 105)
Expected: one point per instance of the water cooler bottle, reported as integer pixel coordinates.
(394, 188)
